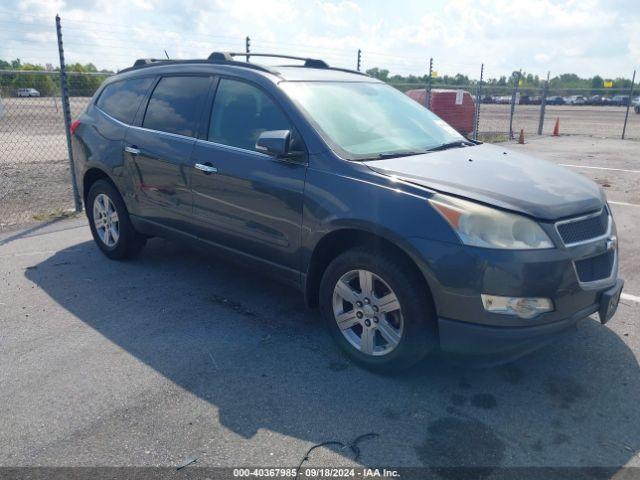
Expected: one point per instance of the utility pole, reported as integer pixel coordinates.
(359, 59)
(543, 104)
(514, 98)
(478, 100)
(427, 97)
(626, 115)
(247, 46)
(66, 113)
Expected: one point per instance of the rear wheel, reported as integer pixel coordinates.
(110, 224)
(378, 309)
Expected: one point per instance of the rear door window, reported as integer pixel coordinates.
(176, 103)
(122, 99)
(241, 112)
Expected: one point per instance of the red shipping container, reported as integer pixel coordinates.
(456, 107)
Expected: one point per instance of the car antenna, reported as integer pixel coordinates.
(165, 52)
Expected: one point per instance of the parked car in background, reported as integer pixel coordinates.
(502, 99)
(555, 100)
(576, 100)
(636, 104)
(27, 92)
(620, 100)
(487, 99)
(456, 107)
(407, 236)
(594, 100)
(526, 99)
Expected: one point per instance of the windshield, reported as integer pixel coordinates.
(369, 120)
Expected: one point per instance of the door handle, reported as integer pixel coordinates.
(133, 150)
(206, 168)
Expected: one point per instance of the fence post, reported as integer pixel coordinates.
(427, 97)
(626, 115)
(247, 46)
(516, 80)
(478, 99)
(543, 104)
(66, 113)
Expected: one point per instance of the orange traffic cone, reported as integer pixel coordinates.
(556, 129)
(521, 137)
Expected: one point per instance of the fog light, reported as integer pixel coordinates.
(522, 307)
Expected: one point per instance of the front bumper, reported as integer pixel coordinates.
(458, 275)
(507, 343)
(503, 343)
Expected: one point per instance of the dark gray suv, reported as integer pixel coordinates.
(408, 236)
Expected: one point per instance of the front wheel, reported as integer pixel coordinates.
(378, 309)
(110, 224)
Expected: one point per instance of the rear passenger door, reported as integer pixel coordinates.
(250, 202)
(110, 117)
(158, 149)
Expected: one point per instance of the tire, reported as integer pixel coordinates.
(413, 325)
(114, 234)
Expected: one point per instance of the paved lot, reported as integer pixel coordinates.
(179, 354)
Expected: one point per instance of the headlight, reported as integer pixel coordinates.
(487, 227)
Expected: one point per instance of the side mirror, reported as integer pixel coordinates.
(274, 142)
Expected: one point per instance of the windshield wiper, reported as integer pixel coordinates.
(456, 144)
(384, 156)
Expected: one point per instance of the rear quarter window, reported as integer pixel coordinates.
(121, 99)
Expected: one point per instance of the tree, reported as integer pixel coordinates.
(381, 74)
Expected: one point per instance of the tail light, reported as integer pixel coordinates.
(74, 126)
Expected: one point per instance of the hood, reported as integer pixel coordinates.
(500, 177)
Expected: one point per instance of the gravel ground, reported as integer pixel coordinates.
(179, 355)
(574, 120)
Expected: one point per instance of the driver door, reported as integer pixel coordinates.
(244, 199)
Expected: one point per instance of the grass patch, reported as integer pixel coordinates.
(57, 214)
(493, 137)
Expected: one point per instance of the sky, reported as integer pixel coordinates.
(586, 37)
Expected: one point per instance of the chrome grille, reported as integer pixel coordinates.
(584, 228)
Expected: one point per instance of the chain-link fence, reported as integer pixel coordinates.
(34, 163)
(35, 181)
(34, 166)
(501, 112)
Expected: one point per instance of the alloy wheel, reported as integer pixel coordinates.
(105, 220)
(367, 312)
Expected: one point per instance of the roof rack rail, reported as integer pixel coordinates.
(145, 61)
(228, 58)
(308, 62)
(150, 62)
